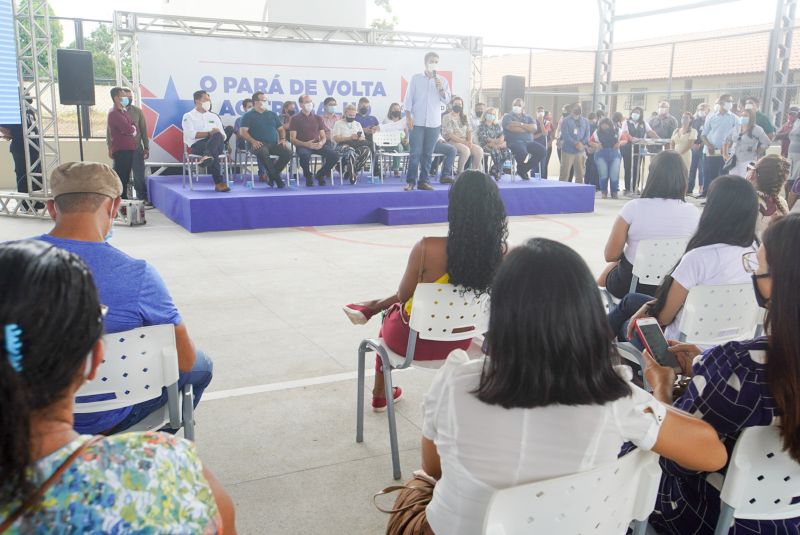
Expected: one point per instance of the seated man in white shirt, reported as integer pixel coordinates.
(348, 134)
(204, 134)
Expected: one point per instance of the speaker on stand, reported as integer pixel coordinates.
(513, 87)
(76, 83)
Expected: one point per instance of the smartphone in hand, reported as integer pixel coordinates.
(652, 337)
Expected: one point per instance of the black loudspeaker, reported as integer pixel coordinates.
(513, 87)
(75, 77)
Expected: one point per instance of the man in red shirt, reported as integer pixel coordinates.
(122, 131)
(307, 133)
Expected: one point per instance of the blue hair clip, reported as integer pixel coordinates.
(13, 333)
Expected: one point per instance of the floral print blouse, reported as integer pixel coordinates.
(129, 483)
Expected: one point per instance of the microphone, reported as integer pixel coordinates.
(434, 73)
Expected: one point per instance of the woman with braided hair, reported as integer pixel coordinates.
(467, 257)
(768, 175)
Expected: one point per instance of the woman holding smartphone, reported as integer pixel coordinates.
(739, 385)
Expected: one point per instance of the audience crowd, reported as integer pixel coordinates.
(545, 399)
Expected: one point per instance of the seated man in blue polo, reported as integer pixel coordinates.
(518, 130)
(263, 130)
(86, 200)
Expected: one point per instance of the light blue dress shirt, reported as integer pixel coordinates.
(717, 128)
(424, 101)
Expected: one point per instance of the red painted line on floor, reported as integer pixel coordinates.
(315, 232)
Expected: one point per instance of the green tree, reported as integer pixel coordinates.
(56, 36)
(387, 23)
(101, 44)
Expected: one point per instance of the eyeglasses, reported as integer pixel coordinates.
(750, 263)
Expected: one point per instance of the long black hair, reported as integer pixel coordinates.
(781, 244)
(729, 217)
(50, 295)
(549, 341)
(478, 230)
(666, 177)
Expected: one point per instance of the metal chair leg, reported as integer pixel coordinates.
(387, 377)
(725, 519)
(362, 351)
(188, 413)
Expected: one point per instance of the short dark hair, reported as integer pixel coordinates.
(72, 203)
(247, 101)
(752, 99)
(328, 100)
(257, 94)
(363, 99)
(431, 55)
(549, 341)
(117, 90)
(197, 95)
(667, 177)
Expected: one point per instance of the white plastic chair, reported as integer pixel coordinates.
(388, 140)
(137, 365)
(601, 501)
(761, 482)
(654, 259)
(441, 312)
(713, 315)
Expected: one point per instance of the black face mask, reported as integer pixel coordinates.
(363, 111)
(395, 114)
(478, 113)
(458, 109)
(350, 119)
(760, 299)
(290, 111)
(564, 114)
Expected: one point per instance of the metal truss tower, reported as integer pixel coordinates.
(602, 62)
(780, 49)
(38, 105)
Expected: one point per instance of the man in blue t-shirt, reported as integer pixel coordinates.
(86, 200)
(519, 130)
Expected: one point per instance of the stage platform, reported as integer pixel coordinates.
(204, 210)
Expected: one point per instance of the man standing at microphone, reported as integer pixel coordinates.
(427, 94)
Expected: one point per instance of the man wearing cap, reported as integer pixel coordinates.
(86, 200)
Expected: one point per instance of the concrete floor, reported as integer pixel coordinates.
(277, 425)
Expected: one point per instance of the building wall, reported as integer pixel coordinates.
(93, 150)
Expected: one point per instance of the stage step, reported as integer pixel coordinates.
(412, 215)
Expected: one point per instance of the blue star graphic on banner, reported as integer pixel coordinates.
(170, 109)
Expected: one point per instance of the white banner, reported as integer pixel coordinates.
(173, 67)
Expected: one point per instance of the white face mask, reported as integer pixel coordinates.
(728, 106)
(748, 106)
(432, 66)
(663, 111)
(516, 109)
(702, 113)
(635, 116)
(206, 105)
(308, 106)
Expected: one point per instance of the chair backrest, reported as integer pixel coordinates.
(137, 364)
(602, 501)
(387, 139)
(718, 314)
(654, 258)
(762, 481)
(445, 312)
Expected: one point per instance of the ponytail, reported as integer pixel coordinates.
(15, 436)
(42, 348)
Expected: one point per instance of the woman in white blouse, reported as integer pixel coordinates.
(661, 212)
(547, 401)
